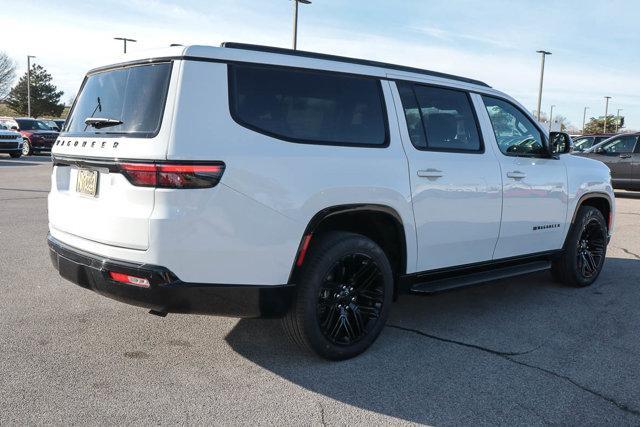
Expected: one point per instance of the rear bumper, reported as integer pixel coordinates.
(166, 293)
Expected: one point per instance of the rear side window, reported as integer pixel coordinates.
(132, 95)
(307, 106)
(440, 119)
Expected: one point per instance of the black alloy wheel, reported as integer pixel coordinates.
(343, 296)
(585, 249)
(350, 299)
(591, 249)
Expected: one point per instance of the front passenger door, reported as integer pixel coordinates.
(534, 185)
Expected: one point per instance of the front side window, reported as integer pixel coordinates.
(439, 119)
(621, 145)
(308, 106)
(515, 133)
(130, 100)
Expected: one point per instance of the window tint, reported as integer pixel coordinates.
(27, 124)
(305, 106)
(134, 95)
(582, 143)
(515, 133)
(412, 115)
(621, 145)
(439, 119)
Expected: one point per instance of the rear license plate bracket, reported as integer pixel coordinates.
(87, 182)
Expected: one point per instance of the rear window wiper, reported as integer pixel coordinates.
(99, 123)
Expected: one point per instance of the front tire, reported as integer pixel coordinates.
(585, 250)
(15, 155)
(26, 148)
(343, 296)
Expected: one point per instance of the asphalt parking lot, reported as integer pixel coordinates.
(521, 351)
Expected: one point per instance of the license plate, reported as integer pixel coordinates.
(87, 182)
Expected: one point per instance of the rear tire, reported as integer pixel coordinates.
(343, 296)
(15, 155)
(585, 250)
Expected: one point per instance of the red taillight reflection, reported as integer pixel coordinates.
(303, 249)
(142, 174)
(164, 175)
(129, 280)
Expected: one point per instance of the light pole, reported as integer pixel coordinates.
(544, 53)
(606, 111)
(551, 118)
(295, 21)
(618, 119)
(29, 84)
(124, 41)
(584, 118)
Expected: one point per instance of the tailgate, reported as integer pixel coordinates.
(118, 214)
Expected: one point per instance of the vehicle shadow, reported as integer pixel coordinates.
(453, 358)
(42, 158)
(17, 163)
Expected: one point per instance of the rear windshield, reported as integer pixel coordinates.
(133, 95)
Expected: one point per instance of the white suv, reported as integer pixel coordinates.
(253, 181)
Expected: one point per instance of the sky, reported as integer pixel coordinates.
(595, 45)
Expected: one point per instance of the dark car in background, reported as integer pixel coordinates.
(36, 134)
(622, 154)
(60, 123)
(584, 142)
(54, 124)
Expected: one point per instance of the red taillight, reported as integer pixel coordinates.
(168, 175)
(129, 280)
(142, 174)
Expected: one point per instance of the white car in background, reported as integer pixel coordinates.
(10, 142)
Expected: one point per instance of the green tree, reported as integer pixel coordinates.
(7, 74)
(45, 97)
(596, 125)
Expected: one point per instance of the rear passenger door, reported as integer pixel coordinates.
(455, 184)
(534, 184)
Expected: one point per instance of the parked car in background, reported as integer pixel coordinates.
(584, 142)
(9, 123)
(36, 134)
(10, 142)
(60, 123)
(622, 154)
(52, 124)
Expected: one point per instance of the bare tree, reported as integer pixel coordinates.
(7, 74)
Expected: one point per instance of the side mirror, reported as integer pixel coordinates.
(14, 128)
(600, 150)
(559, 143)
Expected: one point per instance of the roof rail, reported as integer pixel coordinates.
(305, 54)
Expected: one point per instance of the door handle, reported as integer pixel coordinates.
(430, 173)
(516, 175)
(625, 156)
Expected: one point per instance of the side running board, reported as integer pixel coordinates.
(469, 279)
